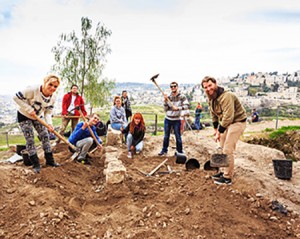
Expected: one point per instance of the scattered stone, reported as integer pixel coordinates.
(10, 190)
(32, 203)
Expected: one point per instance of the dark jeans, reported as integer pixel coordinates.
(168, 125)
(197, 122)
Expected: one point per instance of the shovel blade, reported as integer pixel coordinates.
(219, 160)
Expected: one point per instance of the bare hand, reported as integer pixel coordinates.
(85, 124)
(217, 136)
(175, 108)
(33, 114)
(99, 146)
(50, 128)
(132, 147)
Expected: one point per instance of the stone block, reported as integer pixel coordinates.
(113, 137)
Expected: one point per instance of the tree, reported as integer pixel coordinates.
(82, 60)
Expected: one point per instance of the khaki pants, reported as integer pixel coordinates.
(65, 122)
(228, 143)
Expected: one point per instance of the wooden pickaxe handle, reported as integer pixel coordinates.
(55, 133)
(157, 167)
(154, 81)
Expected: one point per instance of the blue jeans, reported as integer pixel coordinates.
(117, 126)
(168, 125)
(197, 123)
(138, 147)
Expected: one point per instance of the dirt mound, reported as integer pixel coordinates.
(288, 143)
(73, 201)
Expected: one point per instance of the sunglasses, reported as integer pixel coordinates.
(173, 86)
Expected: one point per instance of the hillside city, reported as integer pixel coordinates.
(255, 90)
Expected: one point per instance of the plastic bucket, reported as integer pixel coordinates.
(19, 149)
(208, 167)
(192, 164)
(180, 158)
(26, 159)
(283, 168)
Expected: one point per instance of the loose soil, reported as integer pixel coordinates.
(73, 201)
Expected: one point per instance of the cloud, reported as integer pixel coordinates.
(183, 40)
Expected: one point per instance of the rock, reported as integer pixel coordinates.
(273, 218)
(115, 173)
(10, 190)
(113, 137)
(32, 203)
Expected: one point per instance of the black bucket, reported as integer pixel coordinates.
(180, 158)
(26, 158)
(283, 168)
(19, 149)
(192, 164)
(208, 167)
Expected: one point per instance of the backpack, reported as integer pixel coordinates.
(101, 128)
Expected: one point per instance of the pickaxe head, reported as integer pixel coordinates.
(154, 77)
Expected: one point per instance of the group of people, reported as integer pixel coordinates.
(228, 118)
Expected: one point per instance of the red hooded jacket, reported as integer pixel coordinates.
(67, 101)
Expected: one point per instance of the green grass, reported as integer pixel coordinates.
(282, 131)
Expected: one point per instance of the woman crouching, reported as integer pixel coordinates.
(135, 132)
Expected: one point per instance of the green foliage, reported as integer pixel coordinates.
(268, 130)
(283, 130)
(82, 60)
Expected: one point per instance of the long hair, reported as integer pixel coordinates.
(141, 125)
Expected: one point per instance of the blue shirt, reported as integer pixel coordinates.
(80, 134)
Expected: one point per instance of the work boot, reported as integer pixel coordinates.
(36, 163)
(50, 160)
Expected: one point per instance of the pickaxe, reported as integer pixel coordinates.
(154, 81)
(155, 169)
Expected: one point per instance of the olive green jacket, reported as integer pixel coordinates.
(226, 109)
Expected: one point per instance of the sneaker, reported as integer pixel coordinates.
(223, 181)
(217, 176)
(137, 152)
(129, 155)
(162, 153)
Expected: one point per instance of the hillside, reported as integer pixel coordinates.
(73, 201)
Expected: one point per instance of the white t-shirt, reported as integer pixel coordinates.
(72, 105)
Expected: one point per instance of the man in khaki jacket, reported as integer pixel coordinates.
(229, 121)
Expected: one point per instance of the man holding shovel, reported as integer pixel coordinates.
(173, 105)
(229, 121)
(83, 138)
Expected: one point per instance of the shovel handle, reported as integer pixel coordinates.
(91, 131)
(55, 133)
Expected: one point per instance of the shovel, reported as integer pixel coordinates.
(219, 159)
(61, 137)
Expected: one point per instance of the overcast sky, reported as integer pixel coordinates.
(183, 40)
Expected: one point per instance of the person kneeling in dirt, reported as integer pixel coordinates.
(82, 138)
(34, 102)
(226, 108)
(135, 131)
